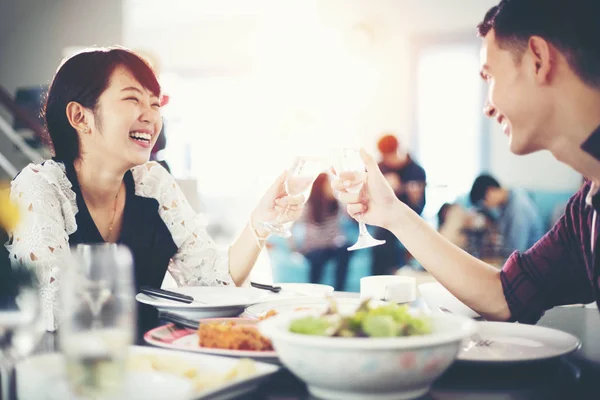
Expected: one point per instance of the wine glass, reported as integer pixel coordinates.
(299, 180)
(21, 326)
(97, 322)
(350, 169)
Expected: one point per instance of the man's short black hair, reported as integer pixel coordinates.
(480, 187)
(573, 26)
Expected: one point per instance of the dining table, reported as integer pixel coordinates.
(574, 376)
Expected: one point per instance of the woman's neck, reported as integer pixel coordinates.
(99, 183)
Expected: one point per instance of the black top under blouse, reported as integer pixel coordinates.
(143, 232)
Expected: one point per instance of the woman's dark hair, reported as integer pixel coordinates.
(319, 204)
(82, 79)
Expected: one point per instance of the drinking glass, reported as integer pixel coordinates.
(350, 169)
(97, 322)
(299, 180)
(21, 325)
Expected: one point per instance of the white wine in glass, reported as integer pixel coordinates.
(97, 319)
(350, 169)
(299, 180)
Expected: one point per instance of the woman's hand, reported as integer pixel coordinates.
(274, 203)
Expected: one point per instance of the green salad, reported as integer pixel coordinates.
(389, 320)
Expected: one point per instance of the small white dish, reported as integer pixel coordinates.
(392, 288)
(503, 342)
(213, 302)
(439, 299)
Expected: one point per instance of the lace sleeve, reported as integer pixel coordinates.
(41, 239)
(199, 261)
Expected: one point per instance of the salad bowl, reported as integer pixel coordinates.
(367, 367)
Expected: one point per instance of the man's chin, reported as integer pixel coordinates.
(520, 147)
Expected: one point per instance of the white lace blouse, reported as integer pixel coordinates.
(49, 208)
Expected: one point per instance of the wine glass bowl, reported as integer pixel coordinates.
(350, 169)
(299, 181)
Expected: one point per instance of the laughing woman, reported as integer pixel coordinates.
(103, 118)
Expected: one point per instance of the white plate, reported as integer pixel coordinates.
(171, 337)
(436, 296)
(43, 378)
(220, 301)
(320, 304)
(512, 342)
(294, 290)
(36, 374)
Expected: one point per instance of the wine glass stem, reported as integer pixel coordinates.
(7, 374)
(363, 229)
(281, 217)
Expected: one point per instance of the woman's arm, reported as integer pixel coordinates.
(40, 239)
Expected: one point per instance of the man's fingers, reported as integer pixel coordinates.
(355, 209)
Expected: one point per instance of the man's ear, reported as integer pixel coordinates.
(541, 59)
(76, 114)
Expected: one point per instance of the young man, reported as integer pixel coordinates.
(541, 61)
(513, 211)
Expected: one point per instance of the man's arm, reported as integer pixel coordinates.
(551, 273)
(472, 281)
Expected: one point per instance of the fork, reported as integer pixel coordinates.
(480, 342)
(477, 340)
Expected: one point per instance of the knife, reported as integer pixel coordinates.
(178, 320)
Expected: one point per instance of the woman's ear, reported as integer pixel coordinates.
(76, 114)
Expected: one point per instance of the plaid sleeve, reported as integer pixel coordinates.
(553, 272)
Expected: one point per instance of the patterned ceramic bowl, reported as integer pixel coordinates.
(369, 368)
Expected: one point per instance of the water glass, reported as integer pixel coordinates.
(97, 319)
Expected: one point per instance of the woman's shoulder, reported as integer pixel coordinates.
(45, 189)
(151, 179)
(46, 175)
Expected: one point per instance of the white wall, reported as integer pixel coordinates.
(33, 34)
(268, 36)
(290, 47)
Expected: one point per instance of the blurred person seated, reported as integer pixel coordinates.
(407, 179)
(103, 118)
(324, 237)
(452, 221)
(472, 231)
(516, 216)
